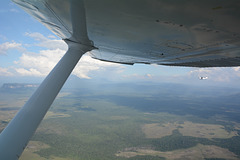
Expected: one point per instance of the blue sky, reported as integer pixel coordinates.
(28, 51)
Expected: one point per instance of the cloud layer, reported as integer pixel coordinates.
(5, 47)
(41, 63)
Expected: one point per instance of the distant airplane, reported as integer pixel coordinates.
(190, 33)
(202, 78)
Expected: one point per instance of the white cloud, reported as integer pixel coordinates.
(41, 63)
(4, 47)
(28, 72)
(37, 36)
(49, 42)
(33, 64)
(142, 77)
(51, 36)
(38, 64)
(5, 72)
(88, 64)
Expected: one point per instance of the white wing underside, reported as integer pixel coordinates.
(177, 33)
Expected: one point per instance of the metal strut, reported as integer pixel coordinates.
(16, 135)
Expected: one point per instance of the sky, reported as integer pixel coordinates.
(28, 52)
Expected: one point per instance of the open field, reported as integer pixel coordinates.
(51, 114)
(156, 130)
(205, 130)
(198, 152)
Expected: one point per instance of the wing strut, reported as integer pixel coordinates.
(15, 137)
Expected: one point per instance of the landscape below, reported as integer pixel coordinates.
(132, 122)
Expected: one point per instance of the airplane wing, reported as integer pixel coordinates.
(177, 33)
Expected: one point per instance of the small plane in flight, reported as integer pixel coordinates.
(189, 33)
(203, 78)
